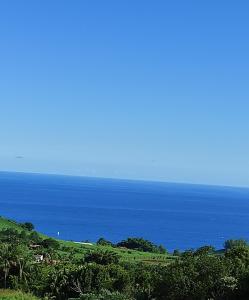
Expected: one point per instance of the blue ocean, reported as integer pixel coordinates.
(179, 216)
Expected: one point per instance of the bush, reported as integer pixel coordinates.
(50, 243)
(204, 250)
(104, 242)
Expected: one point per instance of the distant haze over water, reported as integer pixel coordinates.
(179, 216)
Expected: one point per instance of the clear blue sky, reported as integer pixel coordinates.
(130, 89)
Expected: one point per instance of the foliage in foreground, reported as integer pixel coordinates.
(50, 270)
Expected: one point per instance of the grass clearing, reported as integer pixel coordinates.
(15, 295)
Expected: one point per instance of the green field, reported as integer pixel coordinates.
(15, 295)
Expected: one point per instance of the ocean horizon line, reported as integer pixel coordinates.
(130, 180)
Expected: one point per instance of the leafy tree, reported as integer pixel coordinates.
(176, 252)
(204, 250)
(29, 226)
(229, 244)
(6, 259)
(161, 249)
(104, 242)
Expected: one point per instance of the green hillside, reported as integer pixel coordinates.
(54, 269)
(69, 248)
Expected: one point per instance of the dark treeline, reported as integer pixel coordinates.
(139, 244)
(51, 270)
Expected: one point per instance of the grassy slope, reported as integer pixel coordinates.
(4, 223)
(79, 249)
(15, 295)
(125, 254)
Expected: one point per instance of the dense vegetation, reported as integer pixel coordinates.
(53, 269)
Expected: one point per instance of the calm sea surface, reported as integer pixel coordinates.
(179, 216)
